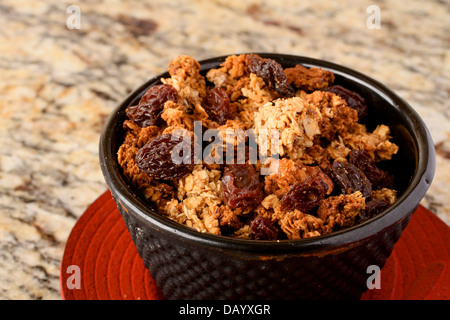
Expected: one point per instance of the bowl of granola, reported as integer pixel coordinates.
(265, 176)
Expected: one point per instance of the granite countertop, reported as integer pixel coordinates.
(58, 85)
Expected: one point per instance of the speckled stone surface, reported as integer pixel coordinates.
(58, 85)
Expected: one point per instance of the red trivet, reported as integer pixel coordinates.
(108, 267)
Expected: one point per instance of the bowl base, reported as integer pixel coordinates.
(111, 268)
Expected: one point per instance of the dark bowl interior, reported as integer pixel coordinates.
(413, 166)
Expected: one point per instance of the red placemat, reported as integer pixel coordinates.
(100, 261)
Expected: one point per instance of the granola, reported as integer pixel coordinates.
(299, 195)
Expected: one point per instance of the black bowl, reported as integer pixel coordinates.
(187, 264)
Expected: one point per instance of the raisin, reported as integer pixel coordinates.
(354, 100)
(317, 176)
(373, 207)
(366, 164)
(155, 158)
(241, 187)
(263, 229)
(148, 111)
(271, 72)
(304, 196)
(349, 179)
(217, 105)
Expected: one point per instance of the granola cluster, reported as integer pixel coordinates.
(323, 164)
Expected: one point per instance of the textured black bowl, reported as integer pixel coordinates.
(187, 264)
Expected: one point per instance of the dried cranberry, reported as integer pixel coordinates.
(217, 105)
(155, 158)
(354, 100)
(148, 111)
(373, 207)
(272, 72)
(263, 229)
(349, 179)
(241, 187)
(304, 196)
(366, 164)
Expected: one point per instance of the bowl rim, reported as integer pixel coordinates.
(400, 210)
